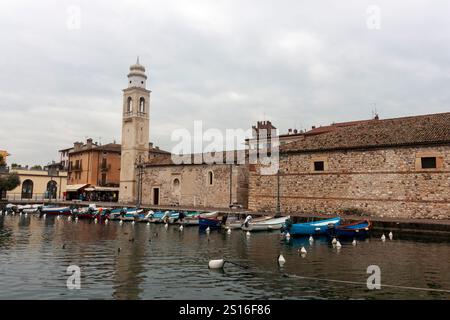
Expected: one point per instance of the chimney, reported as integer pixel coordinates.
(289, 131)
(89, 143)
(295, 131)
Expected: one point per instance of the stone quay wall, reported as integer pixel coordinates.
(387, 182)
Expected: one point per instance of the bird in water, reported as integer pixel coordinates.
(288, 236)
(354, 242)
(303, 250)
(106, 221)
(281, 260)
(311, 239)
(391, 235)
(121, 222)
(132, 223)
(208, 230)
(229, 231)
(166, 225)
(334, 241)
(248, 234)
(338, 244)
(69, 218)
(181, 228)
(383, 237)
(148, 223)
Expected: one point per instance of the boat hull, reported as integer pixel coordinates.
(355, 230)
(212, 223)
(267, 225)
(312, 228)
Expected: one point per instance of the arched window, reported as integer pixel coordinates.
(129, 105)
(27, 189)
(176, 184)
(142, 105)
(210, 178)
(52, 187)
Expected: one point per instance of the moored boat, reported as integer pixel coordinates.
(51, 210)
(265, 225)
(352, 230)
(233, 223)
(311, 228)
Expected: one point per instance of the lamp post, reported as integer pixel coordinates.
(278, 213)
(140, 170)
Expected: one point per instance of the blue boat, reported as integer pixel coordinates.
(212, 223)
(311, 228)
(353, 230)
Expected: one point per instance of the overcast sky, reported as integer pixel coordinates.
(227, 63)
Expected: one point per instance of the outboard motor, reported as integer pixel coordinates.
(247, 220)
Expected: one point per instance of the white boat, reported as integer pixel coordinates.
(30, 208)
(238, 224)
(266, 225)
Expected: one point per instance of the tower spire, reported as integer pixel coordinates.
(137, 60)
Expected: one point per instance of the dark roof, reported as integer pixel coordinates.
(335, 126)
(407, 131)
(111, 147)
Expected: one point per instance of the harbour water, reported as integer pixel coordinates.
(158, 263)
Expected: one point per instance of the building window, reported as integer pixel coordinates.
(129, 105)
(428, 162)
(27, 189)
(176, 184)
(210, 178)
(319, 165)
(142, 105)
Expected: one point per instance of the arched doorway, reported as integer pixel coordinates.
(52, 188)
(27, 189)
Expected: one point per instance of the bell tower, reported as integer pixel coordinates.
(135, 131)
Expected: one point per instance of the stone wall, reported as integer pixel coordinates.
(193, 187)
(377, 182)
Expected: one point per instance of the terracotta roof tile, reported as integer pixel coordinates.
(417, 130)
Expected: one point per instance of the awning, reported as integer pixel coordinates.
(75, 187)
(94, 188)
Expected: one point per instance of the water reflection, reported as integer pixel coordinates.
(145, 262)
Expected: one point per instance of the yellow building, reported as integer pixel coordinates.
(39, 185)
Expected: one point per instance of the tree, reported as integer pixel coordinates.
(9, 181)
(2, 161)
(36, 167)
